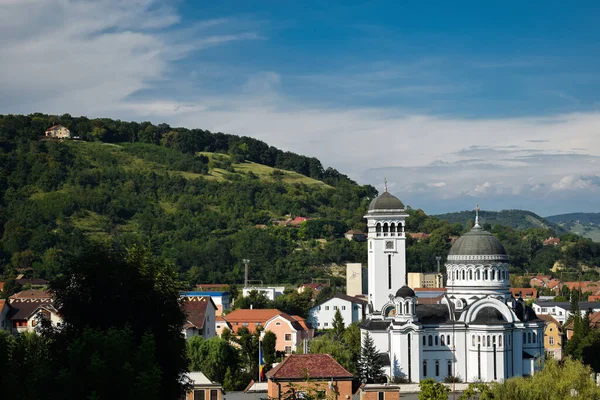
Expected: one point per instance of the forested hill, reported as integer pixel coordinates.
(585, 224)
(203, 200)
(516, 219)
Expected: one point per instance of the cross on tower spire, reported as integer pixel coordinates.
(477, 215)
(385, 184)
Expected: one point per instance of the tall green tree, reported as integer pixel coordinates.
(432, 390)
(338, 325)
(214, 357)
(269, 341)
(370, 366)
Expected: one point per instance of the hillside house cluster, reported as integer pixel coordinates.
(57, 132)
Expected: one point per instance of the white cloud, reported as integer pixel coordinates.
(436, 184)
(573, 182)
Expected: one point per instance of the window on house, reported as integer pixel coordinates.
(325, 323)
(319, 308)
(288, 337)
(355, 307)
(277, 323)
(288, 349)
(335, 307)
(244, 324)
(214, 394)
(326, 308)
(199, 394)
(550, 340)
(437, 368)
(343, 308)
(380, 396)
(424, 368)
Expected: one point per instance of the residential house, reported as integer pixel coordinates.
(221, 299)
(314, 287)
(555, 285)
(305, 374)
(58, 131)
(561, 310)
(203, 388)
(298, 221)
(351, 308)
(539, 280)
(594, 323)
(553, 336)
(376, 391)
(583, 286)
(25, 314)
(200, 317)
(355, 234)
(552, 241)
(291, 331)
(524, 293)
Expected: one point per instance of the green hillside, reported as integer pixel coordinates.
(584, 224)
(516, 219)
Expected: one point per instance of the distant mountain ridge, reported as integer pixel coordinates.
(584, 224)
(517, 219)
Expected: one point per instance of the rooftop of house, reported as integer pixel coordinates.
(418, 235)
(22, 309)
(551, 240)
(523, 292)
(252, 315)
(31, 294)
(54, 127)
(351, 299)
(313, 366)
(206, 293)
(548, 319)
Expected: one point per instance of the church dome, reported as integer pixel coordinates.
(405, 291)
(488, 316)
(477, 244)
(386, 201)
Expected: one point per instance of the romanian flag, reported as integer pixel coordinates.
(261, 365)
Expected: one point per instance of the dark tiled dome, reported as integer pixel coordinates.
(488, 316)
(405, 291)
(478, 242)
(386, 201)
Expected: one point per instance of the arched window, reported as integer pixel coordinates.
(400, 229)
(494, 339)
(385, 229)
(424, 341)
(424, 368)
(500, 340)
(449, 367)
(534, 337)
(488, 341)
(493, 274)
(463, 274)
(485, 274)
(437, 368)
(524, 337)
(473, 340)
(430, 340)
(478, 339)
(392, 229)
(436, 340)
(529, 337)
(477, 275)
(443, 340)
(378, 229)
(471, 274)
(406, 308)
(448, 340)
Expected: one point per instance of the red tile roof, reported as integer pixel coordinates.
(551, 241)
(524, 292)
(313, 366)
(22, 309)
(54, 127)
(549, 318)
(418, 235)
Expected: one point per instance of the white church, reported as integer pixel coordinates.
(477, 332)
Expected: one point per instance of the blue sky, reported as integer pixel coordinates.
(456, 103)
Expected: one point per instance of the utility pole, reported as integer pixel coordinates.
(245, 261)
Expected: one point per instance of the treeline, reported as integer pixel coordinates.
(190, 141)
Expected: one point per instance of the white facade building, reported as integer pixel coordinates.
(270, 292)
(351, 308)
(478, 332)
(561, 310)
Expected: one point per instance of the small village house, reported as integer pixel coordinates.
(200, 317)
(221, 324)
(355, 234)
(351, 308)
(203, 388)
(291, 331)
(221, 299)
(58, 132)
(379, 392)
(303, 374)
(553, 337)
(25, 314)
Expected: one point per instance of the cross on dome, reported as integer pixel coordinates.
(385, 184)
(477, 216)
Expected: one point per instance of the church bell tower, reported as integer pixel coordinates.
(387, 249)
